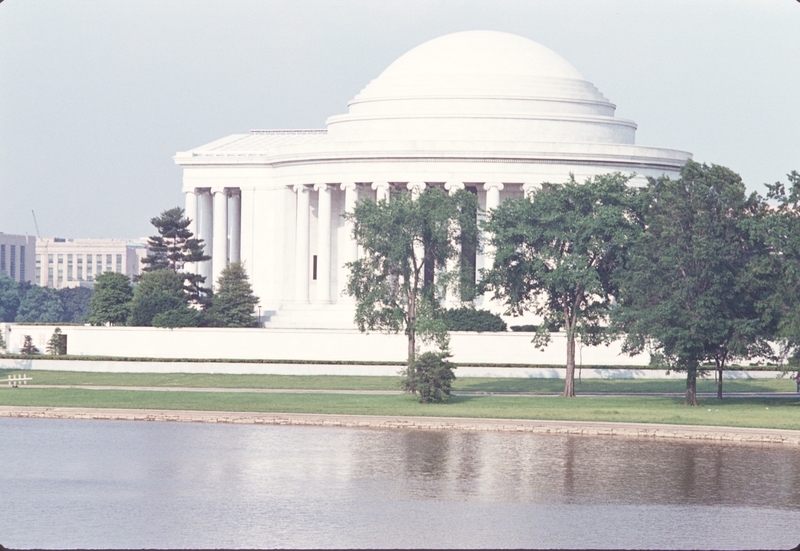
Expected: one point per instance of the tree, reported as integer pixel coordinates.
(233, 304)
(111, 301)
(173, 248)
(157, 293)
(692, 287)
(76, 303)
(782, 232)
(556, 254)
(40, 304)
(432, 376)
(3, 344)
(9, 298)
(28, 348)
(57, 344)
(405, 242)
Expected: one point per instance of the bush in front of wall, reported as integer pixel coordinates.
(470, 319)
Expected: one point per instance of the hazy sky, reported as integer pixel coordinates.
(97, 96)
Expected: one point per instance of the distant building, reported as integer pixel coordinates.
(17, 255)
(77, 262)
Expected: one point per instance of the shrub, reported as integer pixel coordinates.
(28, 348)
(553, 327)
(57, 345)
(431, 376)
(470, 319)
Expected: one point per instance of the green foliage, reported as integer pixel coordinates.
(782, 229)
(28, 348)
(9, 298)
(76, 303)
(405, 242)
(470, 319)
(173, 248)
(233, 304)
(431, 376)
(2, 343)
(695, 277)
(160, 300)
(57, 344)
(552, 327)
(42, 304)
(557, 252)
(111, 301)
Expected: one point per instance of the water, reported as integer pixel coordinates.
(68, 484)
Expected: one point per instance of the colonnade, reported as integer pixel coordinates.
(209, 209)
(216, 218)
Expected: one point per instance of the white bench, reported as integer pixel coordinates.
(16, 380)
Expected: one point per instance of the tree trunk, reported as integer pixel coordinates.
(691, 387)
(720, 366)
(569, 381)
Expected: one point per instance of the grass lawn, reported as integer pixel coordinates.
(739, 412)
(342, 382)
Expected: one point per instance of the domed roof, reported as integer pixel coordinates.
(482, 57)
(476, 83)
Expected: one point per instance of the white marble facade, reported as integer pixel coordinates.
(485, 110)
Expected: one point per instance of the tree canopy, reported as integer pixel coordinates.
(40, 304)
(111, 302)
(557, 252)
(173, 248)
(692, 288)
(405, 242)
(233, 304)
(161, 292)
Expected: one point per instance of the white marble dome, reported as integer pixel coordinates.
(482, 85)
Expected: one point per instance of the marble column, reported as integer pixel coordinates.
(452, 294)
(236, 225)
(529, 189)
(301, 244)
(205, 230)
(191, 213)
(416, 188)
(492, 202)
(219, 257)
(350, 252)
(381, 191)
(323, 243)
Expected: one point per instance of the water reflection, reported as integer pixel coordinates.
(195, 485)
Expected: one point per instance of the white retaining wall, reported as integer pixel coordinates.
(305, 344)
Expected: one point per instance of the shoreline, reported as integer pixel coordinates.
(576, 428)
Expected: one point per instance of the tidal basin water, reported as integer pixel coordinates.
(84, 484)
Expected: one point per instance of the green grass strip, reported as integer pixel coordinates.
(778, 413)
(353, 382)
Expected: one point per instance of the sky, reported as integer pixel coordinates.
(97, 96)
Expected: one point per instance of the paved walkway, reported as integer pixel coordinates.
(455, 392)
(581, 428)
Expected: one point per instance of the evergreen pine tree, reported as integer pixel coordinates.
(56, 345)
(28, 347)
(173, 248)
(234, 303)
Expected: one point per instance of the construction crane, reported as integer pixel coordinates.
(34, 215)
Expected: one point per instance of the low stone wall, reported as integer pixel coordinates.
(238, 368)
(305, 344)
(578, 428)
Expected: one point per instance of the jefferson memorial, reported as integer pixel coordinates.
(486, 111)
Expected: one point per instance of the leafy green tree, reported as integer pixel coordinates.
(782, 229)
(405, 242)
(28, 348)
(233, 304)
(111, 301)
(9, 298)
(556, 254)
(693, 283)
(40, 304)
(57, 344)
(157, 292)
(173, 248)
(76, 303)
(180, 316)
